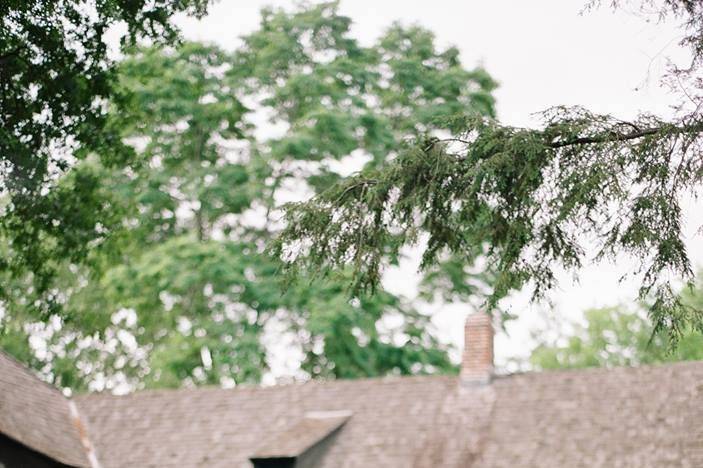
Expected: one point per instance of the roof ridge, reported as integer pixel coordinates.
(601, 369)
(259, 387)
(83, 434)
(356, 381)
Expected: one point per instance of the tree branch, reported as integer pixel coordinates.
(613, 136)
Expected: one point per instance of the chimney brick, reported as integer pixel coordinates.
(477, 360)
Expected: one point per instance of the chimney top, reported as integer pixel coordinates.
(477, 360)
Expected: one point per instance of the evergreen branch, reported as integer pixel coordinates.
(514, 191)
(612, 137)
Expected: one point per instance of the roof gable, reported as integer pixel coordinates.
(309, 431)
(37, 415)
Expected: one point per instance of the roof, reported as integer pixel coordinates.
(625, 417)
(37, 415)
(303, 435)
(638, 417)
(218, 427)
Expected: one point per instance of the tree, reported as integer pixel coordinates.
(614, 336)
(185, 290)
(56, 77)
(527, 198)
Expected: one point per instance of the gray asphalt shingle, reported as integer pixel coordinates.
(625, 417)
(37, 415)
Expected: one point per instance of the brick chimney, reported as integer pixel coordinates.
(477, 361)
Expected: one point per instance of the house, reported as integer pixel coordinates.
(626, 417)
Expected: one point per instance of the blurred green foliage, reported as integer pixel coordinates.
(57, 74)
(184, 291)
(617, 336)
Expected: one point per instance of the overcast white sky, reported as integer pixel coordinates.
(543, 53)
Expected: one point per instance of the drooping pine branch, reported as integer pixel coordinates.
(536, 200)
(623, 137)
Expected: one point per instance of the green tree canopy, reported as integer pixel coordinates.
(531, 199)
(56, 78)
(185, 290)
(616, 336)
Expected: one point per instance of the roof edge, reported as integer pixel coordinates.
(69, 405)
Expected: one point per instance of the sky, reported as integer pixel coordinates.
(543, 53)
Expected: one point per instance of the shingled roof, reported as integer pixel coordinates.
(629, 417)
(625, 417)
(218, 427)
(299, 438)
(37, 415)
